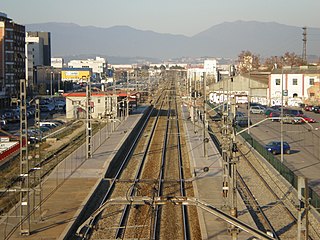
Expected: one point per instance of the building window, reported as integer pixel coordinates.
(98, 100)
(277, 81)
(294, 81)
(311, 81)
(312, 94)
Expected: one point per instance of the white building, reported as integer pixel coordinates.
(209, 67)
(297, 83)
(98, 66)
(57, 62)
(102, 105)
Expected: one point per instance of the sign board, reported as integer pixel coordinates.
(4, 139)
(285, 93)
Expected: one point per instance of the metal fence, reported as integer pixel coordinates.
(288, 174)
(280, 167)
(59, 174)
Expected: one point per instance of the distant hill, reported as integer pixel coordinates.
(223, 40)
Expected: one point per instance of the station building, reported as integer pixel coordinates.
(104, 105)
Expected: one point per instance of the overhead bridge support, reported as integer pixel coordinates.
(178, 201)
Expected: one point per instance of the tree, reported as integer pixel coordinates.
(288, 59)
(248, 61)
(162, 67)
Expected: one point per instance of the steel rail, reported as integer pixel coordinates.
(156, 222)
(125, 213)
(254, 208)
(88, 227)
(186, 227)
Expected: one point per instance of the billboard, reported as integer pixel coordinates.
(75, 75)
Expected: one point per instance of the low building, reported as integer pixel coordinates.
(300, 85)
(252, 87)
(103, 104)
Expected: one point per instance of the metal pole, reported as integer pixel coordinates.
(24, 164)
(88, 120)
(38, 170)
(303, 209)
(281, 121)
(249, 101)
(233, 173)
(51, 79)
(128, 94)
(205, 152)
(194, 102)
(59, 79)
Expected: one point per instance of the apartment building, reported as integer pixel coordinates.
(12, 58)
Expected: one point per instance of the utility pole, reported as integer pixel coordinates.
(225, 148)
(128, 74)
(24, 164)
(303, 209)
(88, 120)
(194, 103)
(304, 40)
(205, 125)
(232, 162)
(281, 116)
(38, 166)
(249, 100)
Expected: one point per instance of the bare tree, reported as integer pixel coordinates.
(288, 59)
(248, 61)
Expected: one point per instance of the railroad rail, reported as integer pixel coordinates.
(154, 168)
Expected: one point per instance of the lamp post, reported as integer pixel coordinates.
(128, 74)
(281, 116)
(59, 79)
(51, 79)
(249, 100)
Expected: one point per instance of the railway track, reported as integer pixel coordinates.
(8, 199)
(270, 203)
(156, 167)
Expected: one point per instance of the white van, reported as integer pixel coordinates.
(48, 124)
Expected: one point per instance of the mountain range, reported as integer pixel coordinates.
(225, 40)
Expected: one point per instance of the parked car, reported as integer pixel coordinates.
(48, 124)
(308, 108)
(275, 147)
(243, 122)
(257, 109)
(268, 111)
(275, 116)
(316, 109)
(217, 117)
(3, 124)
(294, 112)
(291, 119)
(308, 119)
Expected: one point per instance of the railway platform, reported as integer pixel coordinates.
(62, 206)
(208, 184)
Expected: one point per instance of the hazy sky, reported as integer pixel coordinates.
(186, 17)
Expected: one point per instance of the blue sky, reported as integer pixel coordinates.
(186, 17)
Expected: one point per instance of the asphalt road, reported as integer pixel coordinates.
(304, 140)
